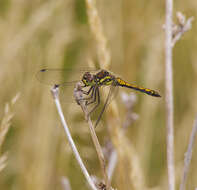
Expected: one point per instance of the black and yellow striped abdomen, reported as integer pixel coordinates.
(123, 83)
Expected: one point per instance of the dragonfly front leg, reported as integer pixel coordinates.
(88, 92)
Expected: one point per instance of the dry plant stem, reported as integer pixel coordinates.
(188, 156)
(169, 95)
(78, 95)
(55, 93)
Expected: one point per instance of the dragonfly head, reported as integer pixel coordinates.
(88, 79)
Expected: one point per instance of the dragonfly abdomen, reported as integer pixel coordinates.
(123, 83)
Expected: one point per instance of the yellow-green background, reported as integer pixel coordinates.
(56, 34)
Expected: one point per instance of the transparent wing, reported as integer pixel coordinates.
(61, 77)
(111, 94)
(66, 79)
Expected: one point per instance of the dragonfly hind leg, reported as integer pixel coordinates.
(92, 98)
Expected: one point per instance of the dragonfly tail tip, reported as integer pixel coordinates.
(158, 95)
(42, 70)
(56, 85)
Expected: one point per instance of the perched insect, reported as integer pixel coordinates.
(100, 79)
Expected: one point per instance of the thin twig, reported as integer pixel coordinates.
(78, 96)
(55, 94)
(188, 155)
(169, 95)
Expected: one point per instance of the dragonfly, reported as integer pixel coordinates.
(94, 82)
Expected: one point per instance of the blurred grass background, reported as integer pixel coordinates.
(56, 34)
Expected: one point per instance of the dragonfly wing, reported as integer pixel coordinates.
(114, 93)
(61, 77)
(111, 94)
(56, 76)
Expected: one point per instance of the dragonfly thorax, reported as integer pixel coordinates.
(101, 78)
(104, 78)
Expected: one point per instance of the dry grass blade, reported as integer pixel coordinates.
(97, 30)
(4, 127)
(26, 33)
(3, 160)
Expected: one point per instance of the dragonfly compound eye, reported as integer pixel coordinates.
(87, 78)
(106, 73)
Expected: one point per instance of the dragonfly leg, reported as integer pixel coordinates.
(87, 92)
(111, 92)
(88, 99)
(91, 90)
(97, 95)
(93, 97)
